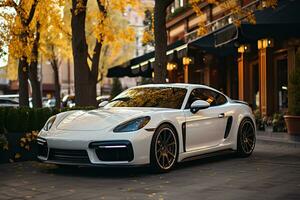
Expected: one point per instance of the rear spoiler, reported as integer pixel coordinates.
(241, 102)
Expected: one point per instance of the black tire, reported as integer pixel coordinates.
(164, 149)
(246, 138)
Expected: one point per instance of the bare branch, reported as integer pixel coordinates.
(31, 13)
(89, 57)
(102, 8)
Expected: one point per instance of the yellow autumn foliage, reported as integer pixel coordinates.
(18, 35)
(54, 17)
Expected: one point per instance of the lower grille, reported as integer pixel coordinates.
(113, 150)
(42, 147)
(69, 156)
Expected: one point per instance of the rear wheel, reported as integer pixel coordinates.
(246, 138)
(164, 149)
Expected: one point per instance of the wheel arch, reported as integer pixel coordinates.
(170, 124)
(241, 118)
(243, 115)
(177, 133)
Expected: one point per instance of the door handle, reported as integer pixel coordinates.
(221, 115)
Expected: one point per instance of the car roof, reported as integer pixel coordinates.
(187, 86)
(8, 99)
(176, 85)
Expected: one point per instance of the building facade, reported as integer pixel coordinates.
(249, 62)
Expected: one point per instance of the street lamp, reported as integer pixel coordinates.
(186, 61)
(171, 66)
(244, 48)
(264, 43)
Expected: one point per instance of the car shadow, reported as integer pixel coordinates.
(127, 172)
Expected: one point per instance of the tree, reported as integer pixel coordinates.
(21, 32)
(160, 38)
(86, 63)
(24, 21)
(148, 37)
(55, 45)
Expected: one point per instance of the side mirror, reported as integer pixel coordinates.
(198, 105)
(102, 104)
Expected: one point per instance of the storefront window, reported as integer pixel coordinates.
(282, 77)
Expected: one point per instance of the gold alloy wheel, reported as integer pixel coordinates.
(166, 148)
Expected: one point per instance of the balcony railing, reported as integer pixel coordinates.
(223, 21)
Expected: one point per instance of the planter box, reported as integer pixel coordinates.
(293, 124)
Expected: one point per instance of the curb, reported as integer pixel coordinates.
(268, 140)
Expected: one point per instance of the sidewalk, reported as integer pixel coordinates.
(278, 137)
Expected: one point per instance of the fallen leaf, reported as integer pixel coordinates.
(5, 147)
(17, 156)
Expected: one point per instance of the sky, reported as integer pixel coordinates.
(3, 60)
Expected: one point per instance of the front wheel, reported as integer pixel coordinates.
(246, 138)
(164, 149)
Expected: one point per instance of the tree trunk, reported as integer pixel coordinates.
(85, 88)
(33, 73)
(23, 82)
(85, 78)
(160, 37)
(54, 65)
(35, 85)
(23, 64)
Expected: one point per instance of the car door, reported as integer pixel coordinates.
(205, 128)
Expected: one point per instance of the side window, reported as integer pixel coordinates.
(212, 97)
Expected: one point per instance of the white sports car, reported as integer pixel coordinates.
(157, 125)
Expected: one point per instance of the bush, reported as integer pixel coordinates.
(3, 141)
(278, 123)
(260, 121)
(2, 118)
(12, 119)
(28, 119)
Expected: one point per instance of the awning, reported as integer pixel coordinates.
(281, 22)
(218, 42)
(142, 65)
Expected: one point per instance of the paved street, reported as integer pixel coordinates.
(273, 172)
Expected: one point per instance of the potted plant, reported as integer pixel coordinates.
(278, 123)
(292, 119)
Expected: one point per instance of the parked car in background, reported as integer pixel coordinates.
(6, 102)
(50, 103)
(102, 98)
(68, 101)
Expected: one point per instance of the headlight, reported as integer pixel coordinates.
(49, 123)
(132, 125)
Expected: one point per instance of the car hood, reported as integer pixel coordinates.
(101, 119)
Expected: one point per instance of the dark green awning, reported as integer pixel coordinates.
(141, 65)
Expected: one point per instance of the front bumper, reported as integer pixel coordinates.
(124, 149)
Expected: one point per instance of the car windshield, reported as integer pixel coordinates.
(159, 97)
